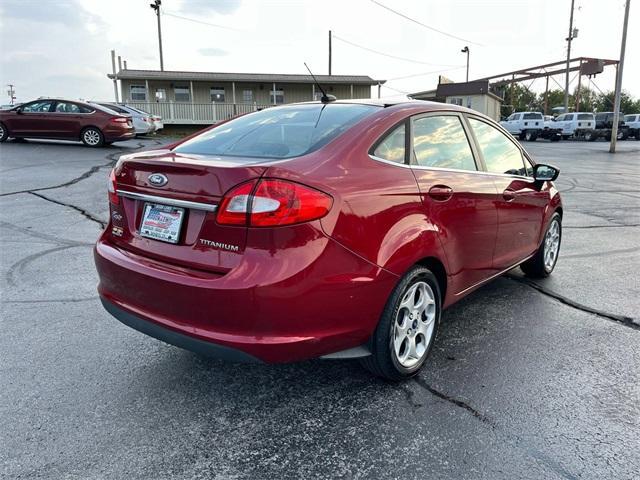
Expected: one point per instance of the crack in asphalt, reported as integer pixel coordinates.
(21, 264)
(601, 226)
(82, 211)
(621, 319)
(458, 403)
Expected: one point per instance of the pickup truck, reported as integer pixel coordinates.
(604, 124)
(526, 126)
(633, 123)
(577, 124)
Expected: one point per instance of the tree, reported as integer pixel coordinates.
(628, 104)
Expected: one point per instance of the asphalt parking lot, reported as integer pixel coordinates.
(527, 380)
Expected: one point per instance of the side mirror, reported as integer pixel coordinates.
(19, 110)
(545, 173)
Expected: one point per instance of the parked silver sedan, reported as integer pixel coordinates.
(157, 120)
(142, 122)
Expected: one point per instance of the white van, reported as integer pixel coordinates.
(575, 124)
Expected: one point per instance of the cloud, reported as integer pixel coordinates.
(65, 12)
(212, 52)
(205, 7)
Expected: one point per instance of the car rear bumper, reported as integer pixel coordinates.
(119, 135)
(330, 304)
(175, 338)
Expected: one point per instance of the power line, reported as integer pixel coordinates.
(199, 21)
(388, 54)
(426, 73)
(406, 17)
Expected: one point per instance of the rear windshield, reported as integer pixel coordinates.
(533, 116)
(585, 116)
(278, 132)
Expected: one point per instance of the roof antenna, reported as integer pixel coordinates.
(325, 98)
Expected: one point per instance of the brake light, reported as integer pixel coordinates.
(112, 187)
(271, 203)
(119, 120)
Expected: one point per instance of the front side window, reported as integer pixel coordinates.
(278, 133)
(500, 154)
(568, 116)
(392, 148)
(37, 107)
(441, 142)
(138, 93)
(217, 94)
(182, 94)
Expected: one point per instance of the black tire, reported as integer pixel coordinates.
(623, 135)
(383, 360)
(521, 135)
(536, 266)
(555, 138)
(92, 137)
(566, 137)
(4, 133)
(590, 136)
(530, 136)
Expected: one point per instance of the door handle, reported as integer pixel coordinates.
(509, 194)
(441, 193)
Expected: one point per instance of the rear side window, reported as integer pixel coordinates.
(115, 108)
(585, 116)
(392, 148)
(533, 116)
(441, 142)
(500, 154)
(279, 132)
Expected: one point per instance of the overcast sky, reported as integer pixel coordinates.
(61, 47)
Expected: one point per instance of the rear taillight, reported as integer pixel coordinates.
(112, 187)
(119, 120)
(272, 203)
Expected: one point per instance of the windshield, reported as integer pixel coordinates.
(278, 132)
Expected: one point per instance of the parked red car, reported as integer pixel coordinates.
(65, 120)
(336, 230)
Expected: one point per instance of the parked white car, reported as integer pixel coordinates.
(142, 123)
(575, 124)
(157, 120)
(633, 122)
(524, 125)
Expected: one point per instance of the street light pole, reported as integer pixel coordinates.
(156, 6)
(569, 38)
(466, 50)
(616, 107)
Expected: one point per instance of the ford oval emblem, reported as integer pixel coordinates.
(158, 179)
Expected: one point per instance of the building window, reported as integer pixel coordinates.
(217, 94)
(247, 96)
(455, 101)
(161, 95)
(277, 96)
(138, 92)
(182, 94)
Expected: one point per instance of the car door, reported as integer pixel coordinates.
(66, 120)
(457, 197)
(519, 200)
(31, 119)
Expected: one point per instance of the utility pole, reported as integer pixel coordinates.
(569, 38)
(616, 108)
(156, 6)
(115, 74)
(329, 52)
(11, 92)
(466, 50)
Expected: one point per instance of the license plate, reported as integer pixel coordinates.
(161, 222)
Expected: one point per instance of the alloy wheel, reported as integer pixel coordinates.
(414, 324)
(91, 137)
(551, 245)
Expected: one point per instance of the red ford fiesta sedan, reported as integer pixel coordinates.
(333, 230)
